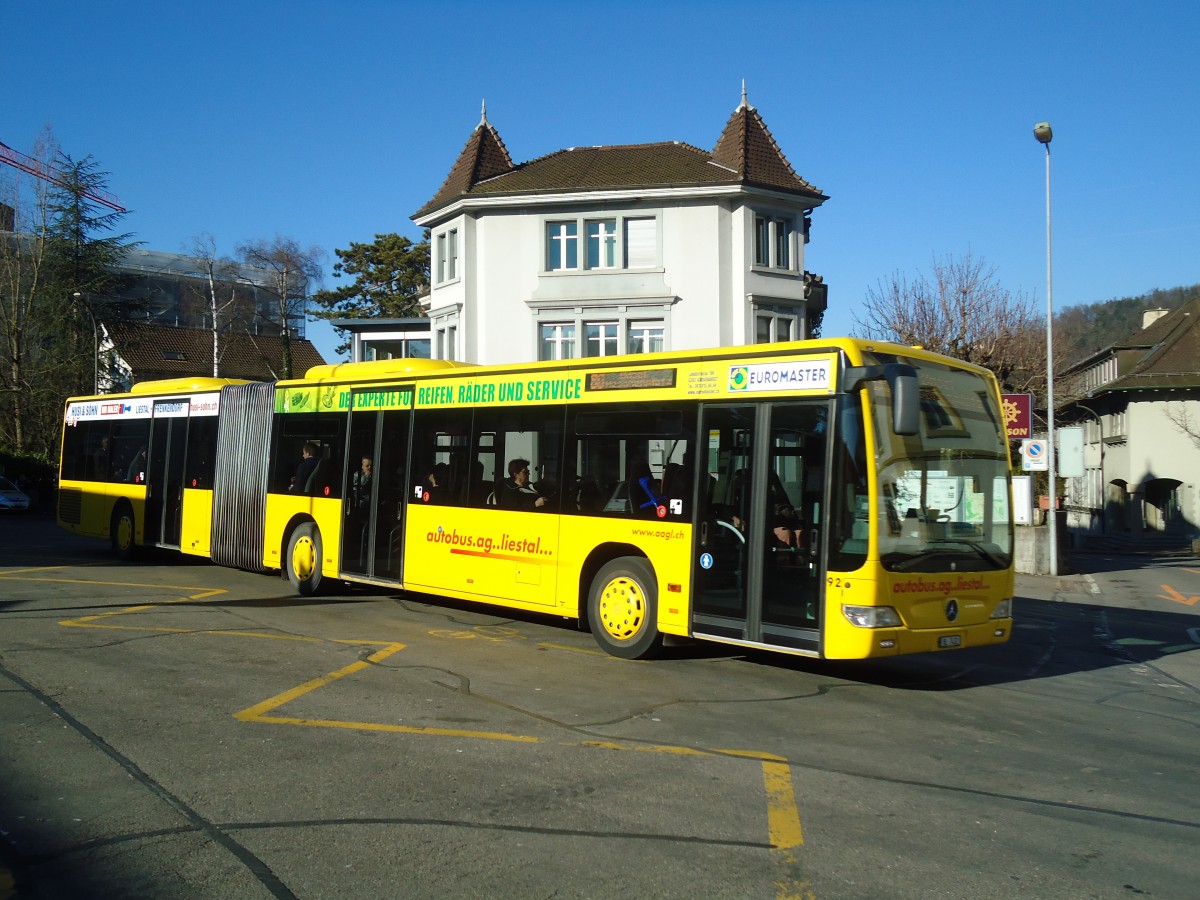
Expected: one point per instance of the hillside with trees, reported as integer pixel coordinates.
(1083, 329)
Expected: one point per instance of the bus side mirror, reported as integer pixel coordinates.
(906, 392)
(906, 399)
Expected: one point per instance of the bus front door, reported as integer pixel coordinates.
(758, 553)
(374, 502)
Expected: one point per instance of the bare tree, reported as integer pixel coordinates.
(961, 310)
(1183, 420)
(294, 273)
(221, 276)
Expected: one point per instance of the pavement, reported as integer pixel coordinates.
(15, 885)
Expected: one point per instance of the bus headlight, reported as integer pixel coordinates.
(871, 616)
(1003, 609)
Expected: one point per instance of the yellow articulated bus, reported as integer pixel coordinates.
(832, 498)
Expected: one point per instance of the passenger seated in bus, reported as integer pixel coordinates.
(135, 473)
(309, 457)
(100, 461)
(787, 530)
(480, 487)
(437, 484)
(515, 491)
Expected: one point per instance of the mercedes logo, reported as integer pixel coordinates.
(951, 610)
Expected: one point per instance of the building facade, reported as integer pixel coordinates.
(1138, 402)
(158, 323)
(594, 251)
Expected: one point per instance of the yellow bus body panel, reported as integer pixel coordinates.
(195, 535)
(284, 511)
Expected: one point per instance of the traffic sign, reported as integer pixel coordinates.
(1035, 455)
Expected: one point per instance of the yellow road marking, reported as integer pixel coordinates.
(783, 816)
(136, 584)
(1176, 597)
(783, 825)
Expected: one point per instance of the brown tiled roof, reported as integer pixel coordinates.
(1165, 354)
(161, 351)
(484, 157)
(746, 153)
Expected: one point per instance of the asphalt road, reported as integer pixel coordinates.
(171, 728)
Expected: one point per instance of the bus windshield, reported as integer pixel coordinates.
(943, 494)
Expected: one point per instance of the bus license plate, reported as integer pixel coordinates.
(950, 640)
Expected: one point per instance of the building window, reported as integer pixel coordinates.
(602, 244)
(770, 328)
(446, 341)
(562, 246)
(557, 341)
(762, 241)
(390, 348)
(447, 256)
(600, 339)
(620, 242)
(645, 337)
(641, 243)
(772, 243)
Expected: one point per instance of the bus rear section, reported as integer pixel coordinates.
(138, 468)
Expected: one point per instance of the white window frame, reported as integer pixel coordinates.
(605, 239)
(563, 234)
(619, 238)
(563, 335)
(778, 232)
(606, 343)
(625, 326)
(642, 331)
(446, 250)
(783, 323)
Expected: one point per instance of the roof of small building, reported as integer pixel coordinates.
(160, 351)
(745, 154)
(1165, 354)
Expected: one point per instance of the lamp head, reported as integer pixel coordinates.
(1042, 132)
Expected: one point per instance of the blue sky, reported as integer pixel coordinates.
(331, 122)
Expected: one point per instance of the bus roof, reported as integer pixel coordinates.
(183, 385)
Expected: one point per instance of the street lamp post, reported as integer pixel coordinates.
(1044, 135)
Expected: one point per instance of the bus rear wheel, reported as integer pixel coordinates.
(121, 531)
(623, 608)
(303, 559)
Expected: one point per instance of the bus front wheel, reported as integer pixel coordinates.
(121, 532)
(623, 608)
(304, 558)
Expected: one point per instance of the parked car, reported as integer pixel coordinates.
(12, 497)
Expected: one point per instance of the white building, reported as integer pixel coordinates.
(1139, 404)
(593, 251)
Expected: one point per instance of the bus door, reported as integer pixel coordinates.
(758, 554)
(373, 510)
(163, 472)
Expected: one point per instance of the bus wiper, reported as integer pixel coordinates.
(906, 563)
(978, 548)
